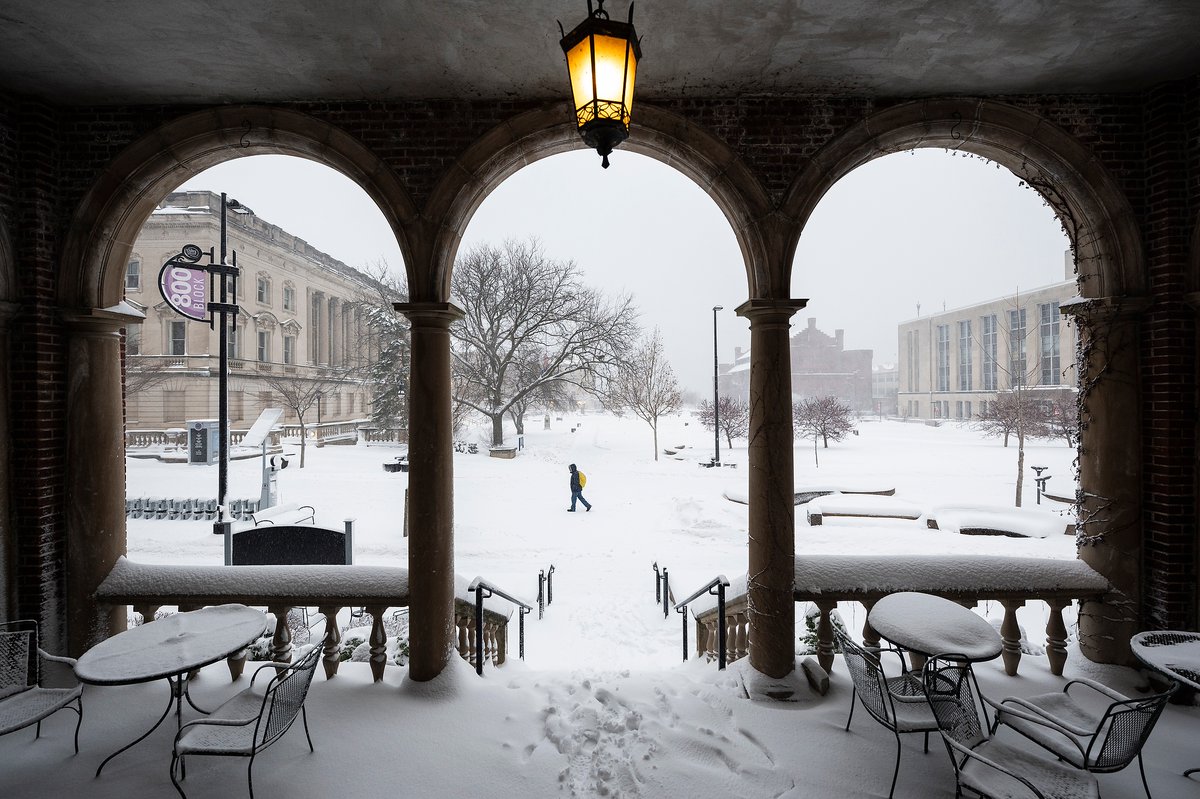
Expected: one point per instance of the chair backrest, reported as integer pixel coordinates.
(18, 656)
(284, 698)
(1124, 729)
(869, 680)
(947, 686)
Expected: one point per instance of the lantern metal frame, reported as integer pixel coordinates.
(602, 121)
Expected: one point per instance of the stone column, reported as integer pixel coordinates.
(772, 559)
(336, 339)
(1109, 529)
(431, 484)
(8, 576)
(95, 472)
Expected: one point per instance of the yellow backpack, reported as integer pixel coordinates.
(582, 479)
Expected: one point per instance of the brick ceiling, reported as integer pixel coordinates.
(102, 51)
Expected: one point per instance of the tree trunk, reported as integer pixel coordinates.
(654, 427)
(728, 440)
(497, 428)
(303, 438)
(1020, 463)
(825, 439)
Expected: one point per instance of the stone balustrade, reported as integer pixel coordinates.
(330, 589)
(826, 580)
(383, 435)
(177, 437)
(328, 431)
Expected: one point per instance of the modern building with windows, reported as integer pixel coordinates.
(302, 319)
(952, 364)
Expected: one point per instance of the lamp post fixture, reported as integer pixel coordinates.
(602, 58)
(716, 395)
(182, 283)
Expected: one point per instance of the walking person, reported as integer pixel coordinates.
(578, 481)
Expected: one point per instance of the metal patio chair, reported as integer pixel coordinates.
(23, 699)
(251, 720)
(898, 703)
(1100, 737)
(984, 766)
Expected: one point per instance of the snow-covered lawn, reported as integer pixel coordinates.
(602, 705)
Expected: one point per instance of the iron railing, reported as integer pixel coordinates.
(545, 589)
(482, 589)
(715, 587)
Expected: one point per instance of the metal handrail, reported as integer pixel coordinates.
(545, 589)
(719, 583)
(483, 590)
(662, 589)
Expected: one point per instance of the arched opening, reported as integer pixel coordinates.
(645, 230)
(1099, 223)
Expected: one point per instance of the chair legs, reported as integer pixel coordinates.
(304, 717)
(75, 707)
(853, 694)
(1142, 769)
(177, 764)
(896, 771)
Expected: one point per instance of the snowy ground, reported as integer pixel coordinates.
(602, 705)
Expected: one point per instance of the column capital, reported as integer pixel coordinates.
(430, 314)
(769, 310)
(101, 320)
(1097, 309)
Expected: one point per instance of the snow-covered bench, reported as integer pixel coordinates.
(869, 506)
(289, 513)
(1012, 522)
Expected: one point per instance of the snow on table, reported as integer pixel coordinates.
(931, 625)
(171, 645)
(1176, 654)
(1025, 522)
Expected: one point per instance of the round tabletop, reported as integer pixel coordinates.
(932, 625)
(171, 645)
(1175, 653)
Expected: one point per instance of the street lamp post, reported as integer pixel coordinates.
(716, 395)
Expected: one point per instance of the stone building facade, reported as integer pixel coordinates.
(953, 363)
(302, 319)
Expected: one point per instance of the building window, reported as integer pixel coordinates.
(967, 408)
(1048, 334)
(1016, 348)
(289, 297)
(133, 274)
(989, 354)
(314, 330)
(237, 405)
(914, 363)
(133, 340)
(289, 349)
(263, 293)
(958, 409)
(943, 357)
(177, 345)
(235, 343)
(965, 381)
(264, 346)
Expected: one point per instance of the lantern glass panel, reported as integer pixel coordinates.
(610, 74)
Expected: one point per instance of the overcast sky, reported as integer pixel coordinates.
(922, 227)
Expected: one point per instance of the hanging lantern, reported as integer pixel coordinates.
(602, 58)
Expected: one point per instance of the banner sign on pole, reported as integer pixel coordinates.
(184, 285)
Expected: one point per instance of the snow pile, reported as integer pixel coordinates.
(998, 520)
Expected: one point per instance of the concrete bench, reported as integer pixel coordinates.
(289, 513)
(869, 506)
(1005, 521)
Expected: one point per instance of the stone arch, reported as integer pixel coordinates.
(110, 215)
(1094, 212)
(1105, 237)
(546, 131)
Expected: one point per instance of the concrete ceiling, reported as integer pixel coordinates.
(203, 51)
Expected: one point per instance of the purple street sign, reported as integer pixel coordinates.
(185, 288)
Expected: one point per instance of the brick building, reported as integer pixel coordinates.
(302, 318)
(766, 111)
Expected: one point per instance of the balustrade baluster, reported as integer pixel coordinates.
(741, 640)
(378, 641)
(870, 637)
(1010, 636)
(331, 644)
(825, 635)
(462, 625)
(1056, 636)
(281, 641)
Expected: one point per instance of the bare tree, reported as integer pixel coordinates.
(646, 386)
(733, 417)
(523, 308)
(827, 418)
(301, 393)
(1062, 419)
(1012, 414)
(144, 372)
